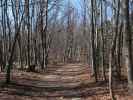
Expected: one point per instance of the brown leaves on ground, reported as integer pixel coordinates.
(66, 82)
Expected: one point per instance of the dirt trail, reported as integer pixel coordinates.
(63, 82)
(66, 76)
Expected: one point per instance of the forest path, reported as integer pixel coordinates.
(61, 76)
(68, 81)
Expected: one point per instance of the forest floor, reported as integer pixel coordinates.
(62, 82)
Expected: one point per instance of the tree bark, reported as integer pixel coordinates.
(127, 49)
(92, 41)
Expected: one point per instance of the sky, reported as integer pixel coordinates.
(78, 3)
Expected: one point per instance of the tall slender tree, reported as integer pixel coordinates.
(127, 49)
(93, 41)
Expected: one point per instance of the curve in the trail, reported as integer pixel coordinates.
(68, 75)
(63, 80)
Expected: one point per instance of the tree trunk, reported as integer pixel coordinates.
(102, 44)
(110, 76)
(127, 49)
(92, 41)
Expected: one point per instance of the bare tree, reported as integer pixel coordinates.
(127, 49)
(92, 40)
